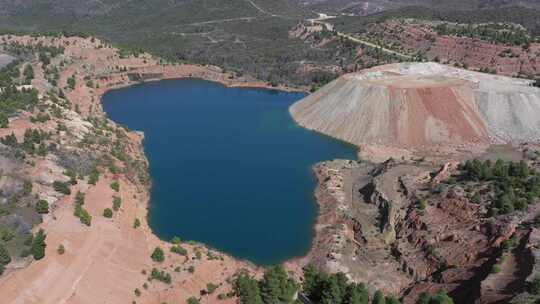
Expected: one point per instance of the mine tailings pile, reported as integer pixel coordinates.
(415, 105)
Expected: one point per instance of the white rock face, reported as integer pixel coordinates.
(421, 104)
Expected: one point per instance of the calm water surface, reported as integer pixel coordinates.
(229, 166)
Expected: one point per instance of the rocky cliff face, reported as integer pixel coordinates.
(420, 105)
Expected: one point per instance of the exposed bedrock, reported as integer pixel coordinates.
(413, 105)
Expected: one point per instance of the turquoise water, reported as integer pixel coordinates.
(229, 166)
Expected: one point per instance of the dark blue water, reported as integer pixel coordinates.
(229, 166)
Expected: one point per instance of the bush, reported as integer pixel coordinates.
(42, 207)
(158, 255)
(79, 198)
(117, 202)
(61, 249)
(94, 176)
(161, 276)
(179, 250)
(115, 186)
(4, 121)
(83, 215)
(535, 286)
(192, 300)
(136, 223)
(107, 213)
(211, 287)
(27, 187)
(61, 187)
(509, 244)
(422, 204)
(495, 269)
(176, 240)
(475, 199)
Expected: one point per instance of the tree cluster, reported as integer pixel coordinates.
(515, 184)
(319, 287)
(499, 33)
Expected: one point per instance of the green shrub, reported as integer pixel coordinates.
(27, 187)
(107, 213)
(136, 223)
(211, 287)
(61, 249)
(509, 244)
(83, 215)
(115, 186)
(42, 207)
(158, 255)
(422, 204)
(4, 121)
(61, 187)
(475, 198)
(179, 250)
(176, 240)
(161, 276)
(495, 269)
(94, 176)
(79, 198)
(117, 202)
(192, 300)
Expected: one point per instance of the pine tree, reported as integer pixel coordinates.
(378, 298)
(38, 245)
(5, 258)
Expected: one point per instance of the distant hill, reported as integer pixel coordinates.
(527, 17)
(365, 7)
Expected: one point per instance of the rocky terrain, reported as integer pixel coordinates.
(407, 227)
(75, 185)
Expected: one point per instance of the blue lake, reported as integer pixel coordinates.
(229, 166)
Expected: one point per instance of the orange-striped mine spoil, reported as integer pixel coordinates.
(423, 104)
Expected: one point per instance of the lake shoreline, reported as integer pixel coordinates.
(121, 112)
